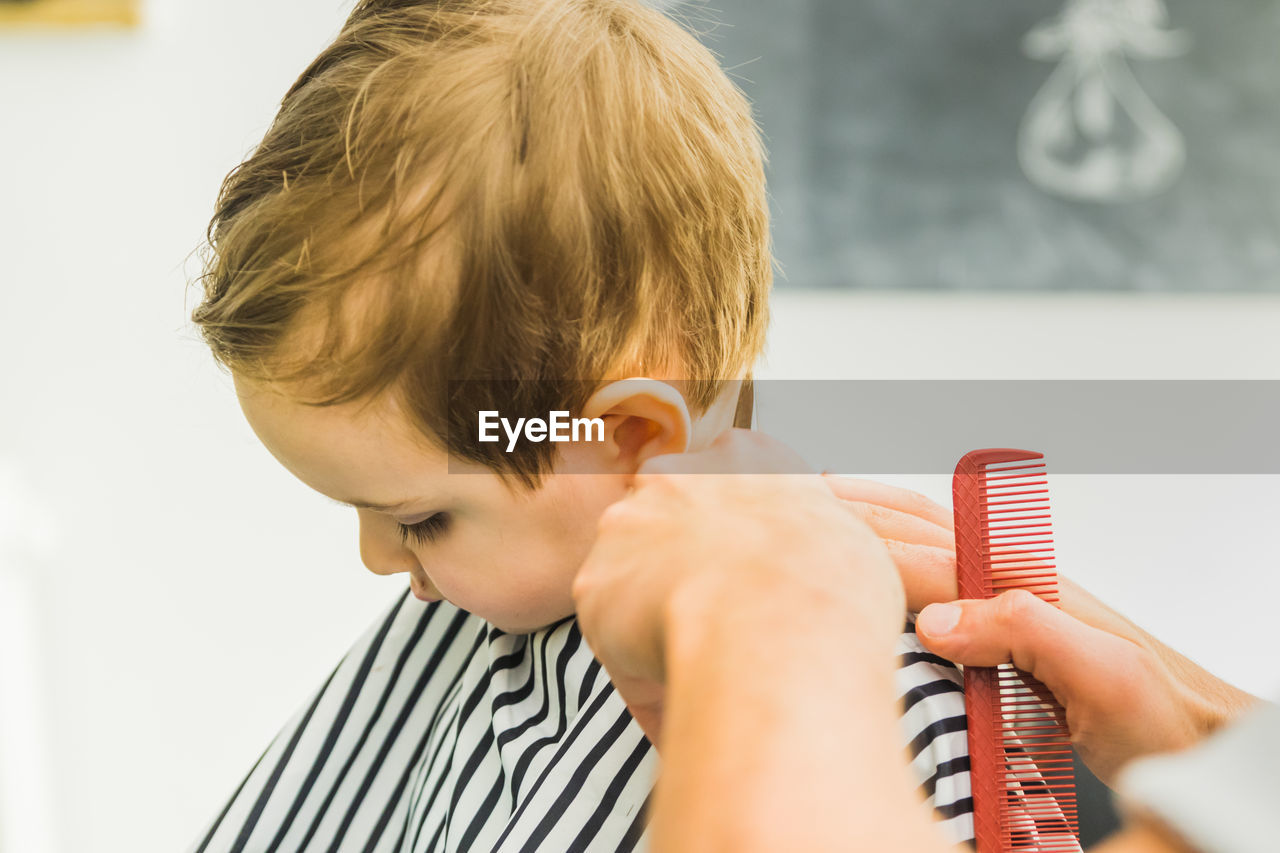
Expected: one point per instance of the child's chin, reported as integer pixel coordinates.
(524, 625)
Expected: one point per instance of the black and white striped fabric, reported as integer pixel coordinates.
(931, 691)
(438, 732)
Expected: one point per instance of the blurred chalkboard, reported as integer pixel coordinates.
(1032, 145)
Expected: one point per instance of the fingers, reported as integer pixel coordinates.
(902, 526)
(918, 533)
(928, 573)
(1066, 654)
(1077, 601)
(890, 497)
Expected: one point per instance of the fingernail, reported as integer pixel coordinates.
(938, 620)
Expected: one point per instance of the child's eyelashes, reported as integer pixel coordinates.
(425, 531)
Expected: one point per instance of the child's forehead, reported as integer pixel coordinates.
(360, 452)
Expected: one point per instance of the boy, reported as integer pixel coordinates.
(515, 207)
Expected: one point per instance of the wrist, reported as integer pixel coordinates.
(1208, 702)
(1219, 704)
(780, 671)
(761, 614)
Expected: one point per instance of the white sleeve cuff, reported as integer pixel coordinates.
(1222, 796)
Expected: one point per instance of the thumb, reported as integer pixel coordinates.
(1016, 626)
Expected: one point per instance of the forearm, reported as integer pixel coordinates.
(781, 733)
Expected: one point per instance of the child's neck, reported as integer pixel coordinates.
(717, 419)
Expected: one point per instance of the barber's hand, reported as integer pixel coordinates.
(1126, 694)
(776, 554)
(919, 534)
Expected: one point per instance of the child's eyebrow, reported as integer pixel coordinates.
(373, 506)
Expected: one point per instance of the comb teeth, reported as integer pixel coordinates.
(1016, 530)
(1019, 745)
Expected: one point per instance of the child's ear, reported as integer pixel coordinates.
(642, 418)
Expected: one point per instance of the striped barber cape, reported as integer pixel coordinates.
(438, 732)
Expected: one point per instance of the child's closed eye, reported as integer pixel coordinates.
(425, 531)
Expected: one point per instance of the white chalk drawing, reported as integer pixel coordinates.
(1091, 133)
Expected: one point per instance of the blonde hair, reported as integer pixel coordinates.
(525, 197)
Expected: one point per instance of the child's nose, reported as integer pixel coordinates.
(381, 549)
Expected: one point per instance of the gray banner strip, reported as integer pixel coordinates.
(1082, 426)
(924, 426)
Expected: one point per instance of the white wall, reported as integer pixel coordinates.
(189, 593)
(193, 592)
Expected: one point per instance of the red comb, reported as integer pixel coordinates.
(1024, 795)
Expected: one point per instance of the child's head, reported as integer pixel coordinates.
(552, 193)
